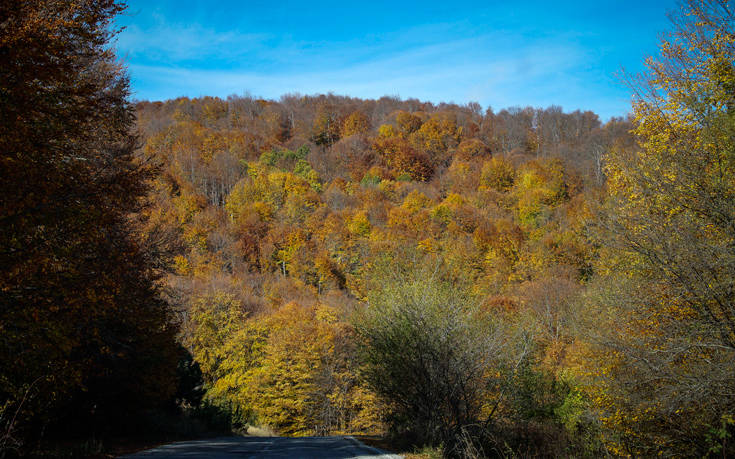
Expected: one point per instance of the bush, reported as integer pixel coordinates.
(428, 353)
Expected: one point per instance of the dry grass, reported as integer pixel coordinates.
(254, 431)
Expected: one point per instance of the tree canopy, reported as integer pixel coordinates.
(84, 334)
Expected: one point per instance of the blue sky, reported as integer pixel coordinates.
(499, 54)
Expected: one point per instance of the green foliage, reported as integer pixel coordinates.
(370, 180)
(283, 158)
(718, 436)
(537, 395)
(303, 169)
(427, 353)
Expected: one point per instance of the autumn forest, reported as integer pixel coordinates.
(476, 282)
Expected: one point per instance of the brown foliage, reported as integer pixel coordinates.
(84, 335)
(401, 158)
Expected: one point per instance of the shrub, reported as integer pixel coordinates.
(427, 353)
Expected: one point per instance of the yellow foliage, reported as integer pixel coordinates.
(497, 174)
(436, 135)
(359, 224)
(290, 368)
(181, 265)
(356, 123)
(408, 122)
(428, 245)
(387, 131)
(415, 201)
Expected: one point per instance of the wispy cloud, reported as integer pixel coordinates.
(162, 42)
(482, 68)
(496, 58)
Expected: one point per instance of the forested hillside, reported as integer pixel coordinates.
(288, 218)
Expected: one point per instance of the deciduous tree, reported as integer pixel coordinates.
(669, 300)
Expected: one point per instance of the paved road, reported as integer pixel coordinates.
(266, 447)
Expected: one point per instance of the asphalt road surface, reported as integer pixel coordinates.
(266, 447)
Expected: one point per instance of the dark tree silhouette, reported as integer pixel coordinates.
(83, 333)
